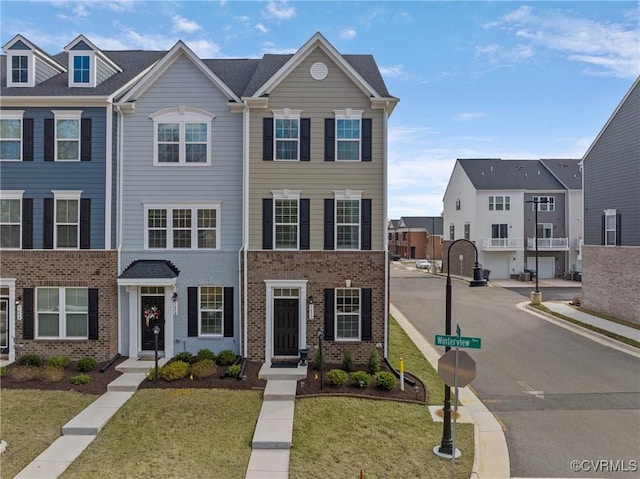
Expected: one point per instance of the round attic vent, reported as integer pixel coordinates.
(318, 71)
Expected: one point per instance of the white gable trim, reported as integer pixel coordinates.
(165, 62)
(94, 49)
(38, 52)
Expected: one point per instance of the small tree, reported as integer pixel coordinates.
(347, 360)
(374, 361)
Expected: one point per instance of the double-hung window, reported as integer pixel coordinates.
(348, 223)
(187, 227)
(347, 314)
(467, 231)
(545, 203)
(67, 135)
(20, 68)
(211, 311)
(610, 227)
(83, 69)
(287, 135)
(286, 223)
(11, 219)
(499, 203)
(11, 135)
(182, 136)
(67, 219)
(62, 313)
(452, 231)
(348, 135)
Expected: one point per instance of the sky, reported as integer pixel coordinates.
(501, 79)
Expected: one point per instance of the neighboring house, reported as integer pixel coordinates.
(490, 202)
(315, 260)
(419, 237)
(393, 238)
(611, 252)
(57, 197)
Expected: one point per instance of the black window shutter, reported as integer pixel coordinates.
(329, 139)
(192, 311)
(93, 313)
(27, 139)
(267, 223)
(329, 313)
(267, 139)
(365, 226)
(28, 319)
(365, 296)
(85, 139)
(49, 139)
(603, 230)
(27, 223)
(304, 223)
(329, 223)
(85, 223)
(305, 139)
(618, 229)
(48, 224)
(366, 139)
(228, 312)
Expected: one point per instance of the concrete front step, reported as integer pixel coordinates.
(92, 419)
(135, 365)
(280, 390)
(274, 429)
(126, 382)
(295, 373)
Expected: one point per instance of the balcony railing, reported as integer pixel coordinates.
(548, 244)
(502, 244)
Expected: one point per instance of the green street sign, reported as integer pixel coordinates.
(458, 342)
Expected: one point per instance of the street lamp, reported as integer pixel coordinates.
(536, 296)
(446, 445)
(156, 332)
(320, 333)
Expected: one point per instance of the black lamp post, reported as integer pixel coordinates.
(446, 445)
(536, 201)
(320, 333)
(156, 332)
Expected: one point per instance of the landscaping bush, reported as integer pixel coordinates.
(318, 360)
(337, 377)
(226, 357)
(374, 361)
(60, 362)
(52, 374)
(3, 371)
(87, 364)
(385, 380)
(174, 370)
(184, 356)
(206, 354)
(80, 379)
(151, 375)
(361, 379)
(347, 360)
(24, 373)
(30, 360)
(233, 371)
(205, 368)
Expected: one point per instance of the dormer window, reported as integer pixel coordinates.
(20, 66)
(83, 72)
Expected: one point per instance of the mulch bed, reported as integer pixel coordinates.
(250, 380)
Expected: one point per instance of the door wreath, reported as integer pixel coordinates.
(151, 313)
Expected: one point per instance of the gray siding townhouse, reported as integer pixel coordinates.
(491, 203)
(57, 197)
(611, 252)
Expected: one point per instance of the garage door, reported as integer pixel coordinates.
(546, 265)
(499, 267)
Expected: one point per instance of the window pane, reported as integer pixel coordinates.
(48, 325)
(77, 325)
(19, 69)
(10, 211)
(48, 299)
(9, 150)
(196, 153)
(68, 150)
(206, 228)
(286, 236)
(169, 132)
(168, 153)
(10, 129)
(182, 228)
(206, 239)
(286, 129)
(347, 237)
(611, 222)
(195, 132)
(157, 218)
(348, 129)
(67, 129)
(210, 297)
(77, 308)
(67, 236)
(66, 211)
(77, 300)
(348, 211)
(206, 218)
(348, 150)
(10, 236)
(157, 223)
(211, 322)
(286, 150)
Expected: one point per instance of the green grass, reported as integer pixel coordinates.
(32, 420)
(174, 433)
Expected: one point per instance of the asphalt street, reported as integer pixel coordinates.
(560, 396)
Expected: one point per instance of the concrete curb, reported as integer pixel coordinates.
(491, 456)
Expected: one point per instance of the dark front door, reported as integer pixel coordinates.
(285, 327)
(4, 326)
(152, 313)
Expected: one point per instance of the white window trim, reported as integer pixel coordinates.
(347, 195)
(348, 114)
(285, 114)
(92, 68)
(607, 214)
(285, 195)
(506, 200)
(65, 195)
(182, 115)
(335, 309)
(66, 115)
(62, 315)
(209, 335)
(14, 195)
(31, 62)
(550, 205)
(14, 115)
(194, 207)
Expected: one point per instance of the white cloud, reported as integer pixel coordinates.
(469, 116)
(261, 28)
(205, 48)
(181, 24)
(348, 34)
(270, 47)
(280, 10)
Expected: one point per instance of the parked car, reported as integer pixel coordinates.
(423, 264)
(395, 257)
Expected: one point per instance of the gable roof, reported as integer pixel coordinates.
(431, 224)
(82, 39)
(566, 171)
(39, 52)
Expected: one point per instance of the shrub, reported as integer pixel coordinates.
(184, 356)
(361, 379)
(24, 373)
(226, 357)
(30, 360)
(347, 360)
(87, 364)
(233, 371)
(52, 374)
(3, 371)
(206, 354)
(80, 379)
(151, 375)
(385, 380)
(174, 370)
(58, 362)
(205, 368)
(337, 377)
(374, 361)
(318, 360)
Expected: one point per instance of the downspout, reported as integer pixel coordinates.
(119, 172)
(245, 225)
(108, 176)
(385, 242)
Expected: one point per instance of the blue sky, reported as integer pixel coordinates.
(477, 79)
